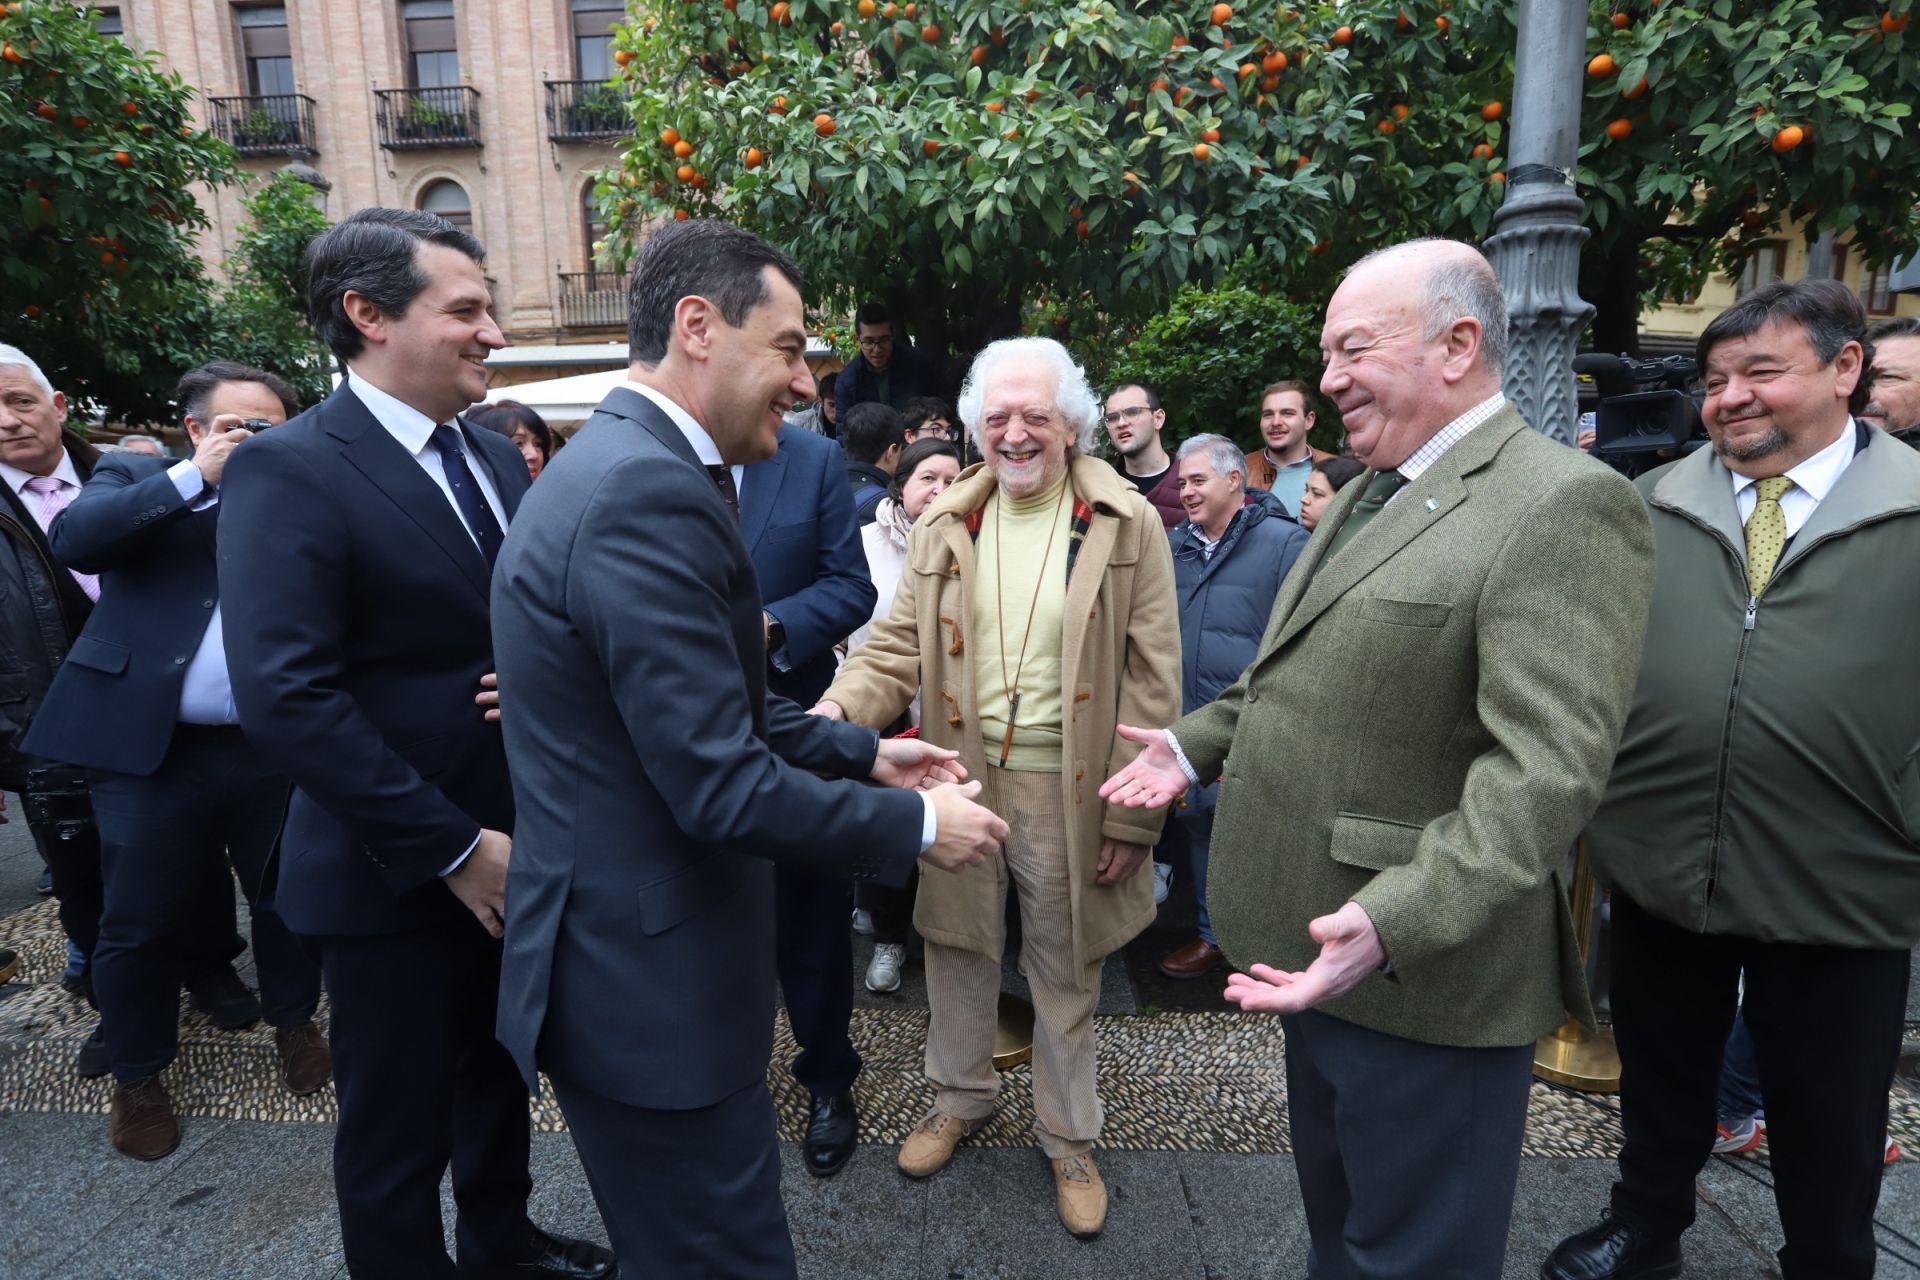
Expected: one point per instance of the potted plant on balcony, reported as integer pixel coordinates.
(599, 110)
(421, 120)
(259, 128)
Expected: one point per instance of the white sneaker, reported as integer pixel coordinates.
(883, 971)
(863, 922)
(1162, 882)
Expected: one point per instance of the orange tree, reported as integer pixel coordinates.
(98, 279)
(963, 160)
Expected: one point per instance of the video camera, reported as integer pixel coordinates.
(1648, 412)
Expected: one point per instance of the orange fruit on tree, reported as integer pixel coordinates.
(1033, 95)
(1639, 87)
(1011, 134)
(979, 56)
(1215, 82)
(1496, 176)
(1492, 111)
(1274, 63)
(679, 215)
(685, 173)
(1343, 36)
(908, 11)
(1246, 69)
(1179, 42)
(997, 35)
(683, 148)
(79, 122)
(1601, 66)
(890, 11)
(823, 125)
(1386, 126)
(867, 8)
(1789, 138)
(930, 148)
(1220, 15)
(130, 108)
(930, 33)
(1210, 135)
(11, 54)
(1620, 21)
(1894, 26)
(1402, 22)
(1618, 129)
(754, 157)
(699, 181)
(995, 108)
(123, 159)
(1268, 84)
(1443, 23)
(838, 27)
(1080, 228)
(1158, 86)
(45, 111)
(731, 6)
(1483, 152)
(1399, 111)
(781, 13)
(1201, 151)
(669, 136)
(622, 57)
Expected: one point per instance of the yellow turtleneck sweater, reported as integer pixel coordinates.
(1008, 558)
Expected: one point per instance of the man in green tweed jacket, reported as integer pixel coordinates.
(1454, 654)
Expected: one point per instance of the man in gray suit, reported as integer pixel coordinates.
(659, 782)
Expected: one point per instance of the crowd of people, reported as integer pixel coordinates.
(562, 761)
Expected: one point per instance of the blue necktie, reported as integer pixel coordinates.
(466, 492)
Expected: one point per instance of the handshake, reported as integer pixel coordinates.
(964, 833)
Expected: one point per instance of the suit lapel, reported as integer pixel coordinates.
(759, 492)
(511, 485)
(373, 451)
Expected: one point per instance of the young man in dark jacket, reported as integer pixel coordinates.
(887, 370)
(1770, 830)
(1230, 556)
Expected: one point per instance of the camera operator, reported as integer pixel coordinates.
(145, 705)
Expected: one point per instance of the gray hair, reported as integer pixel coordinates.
(1455, 287)
(1073, 396)
(15, 356)
(1222, 453)
(139, 439)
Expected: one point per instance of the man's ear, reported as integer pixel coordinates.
(364, 314)
(194, 429)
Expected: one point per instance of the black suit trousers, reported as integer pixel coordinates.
(165, 843)
(423, 1083)
(1826, 1025)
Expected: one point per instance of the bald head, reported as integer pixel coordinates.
(1415, 336)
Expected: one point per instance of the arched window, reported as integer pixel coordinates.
(449, 200)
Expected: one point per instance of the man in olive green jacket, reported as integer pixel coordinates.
(1763, 812)
(1455, 657)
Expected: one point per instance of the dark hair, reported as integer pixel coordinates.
(1828, 311)
(1897, 327)
(375, 253)
(1289, 384)
(872, 313)
(915, 412)
(196, 387)
(703, 258)
(1153, 397)
(823, 386)
(1339, 471)
(504, 416)
(915, 454)
(867, 429)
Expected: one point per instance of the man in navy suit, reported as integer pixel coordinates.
(796, 516)
(657, 781)
(355, 555)
(144, 702)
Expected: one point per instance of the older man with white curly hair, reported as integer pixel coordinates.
(1037, 613)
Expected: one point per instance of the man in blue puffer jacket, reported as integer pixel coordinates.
(1230, 556)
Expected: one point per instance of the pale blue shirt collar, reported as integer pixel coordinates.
(412, 428)
(1818, 474)
(703, 446)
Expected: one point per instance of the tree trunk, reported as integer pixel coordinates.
(1612, 283)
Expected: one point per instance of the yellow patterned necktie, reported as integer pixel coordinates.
(1766, 533)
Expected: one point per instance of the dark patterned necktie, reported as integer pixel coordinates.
(723, 479)
(466, 492)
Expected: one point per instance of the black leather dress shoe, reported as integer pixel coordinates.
(1613, 1250)
(551, 1257)
(831, 1130)
(218, 992)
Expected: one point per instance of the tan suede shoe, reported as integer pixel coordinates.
(1080, 1195)
(929, 1147)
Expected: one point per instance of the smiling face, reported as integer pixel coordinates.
(1025, 439)
(1284, 423)
(1319, 493)
(1770, 403)
(1209, 497)
(756, 371)
(30, 422)
(1896, 385)
(1132, 423)
(529, 446)
(433, 354)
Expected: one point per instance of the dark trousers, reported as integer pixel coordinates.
(422, 1083)
(891, 908)
(1407, 1153)
(688, 1194)
(1826, 1025)
(814, 954)
(165, 842)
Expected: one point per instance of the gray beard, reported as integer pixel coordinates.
(1771, 443)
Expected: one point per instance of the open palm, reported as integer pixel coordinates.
(1154, 778)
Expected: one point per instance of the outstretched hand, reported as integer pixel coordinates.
(916, 765)
(1155, 777)
(1350, 949)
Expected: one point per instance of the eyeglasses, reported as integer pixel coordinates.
(1119, 416)
(869, 344)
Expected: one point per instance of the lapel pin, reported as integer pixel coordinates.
(1432, 505)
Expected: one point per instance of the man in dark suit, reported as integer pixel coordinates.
(796, 517)
(144, 702)
(653, 773)
(355, 554)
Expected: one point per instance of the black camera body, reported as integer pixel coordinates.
(57, 800)
(1648, 414)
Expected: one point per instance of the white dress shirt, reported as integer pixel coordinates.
(1812, 481)
(206, 692)
(414, 430)
(17, 481)
(709, 455)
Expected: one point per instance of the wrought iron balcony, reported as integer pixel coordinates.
(593, 300)
(585, 111)
(411, 119)
(266, 124)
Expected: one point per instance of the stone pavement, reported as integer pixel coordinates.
(1194, 1154)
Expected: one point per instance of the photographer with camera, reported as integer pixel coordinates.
(144, 703)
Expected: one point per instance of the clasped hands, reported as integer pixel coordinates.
(1350, 946)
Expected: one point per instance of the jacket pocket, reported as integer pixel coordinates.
(96, 654)
(680, 896)
(1405, 613)
(1373, 843)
